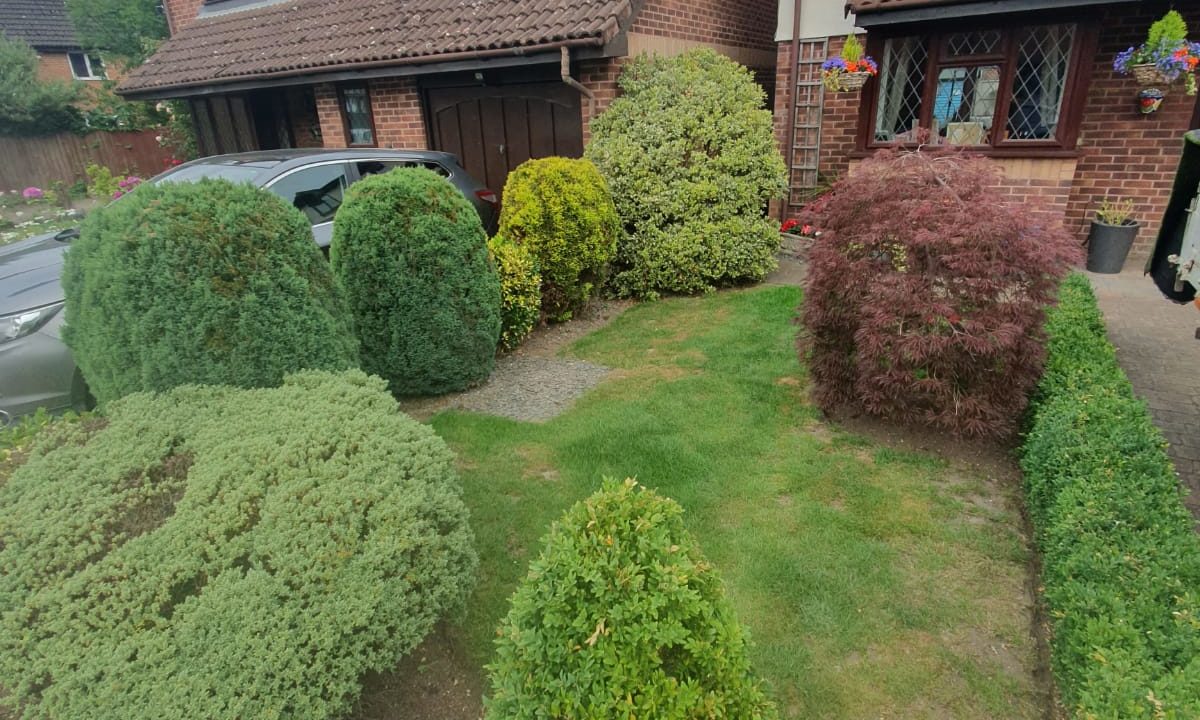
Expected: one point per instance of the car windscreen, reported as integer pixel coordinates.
(190, 173)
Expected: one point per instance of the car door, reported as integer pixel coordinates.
(317, 191)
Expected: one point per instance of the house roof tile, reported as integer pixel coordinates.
(301, 37)
(41, 23)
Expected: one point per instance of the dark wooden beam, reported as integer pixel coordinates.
(970, 9)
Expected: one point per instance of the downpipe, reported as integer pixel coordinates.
(565, 74)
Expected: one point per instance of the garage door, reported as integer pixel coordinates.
(495, 129)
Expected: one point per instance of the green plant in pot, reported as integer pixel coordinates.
(1113, 232)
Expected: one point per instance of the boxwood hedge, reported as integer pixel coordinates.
(222, 553)
(1121, 561)
(622, 617)
(205, 282)
(412, 255)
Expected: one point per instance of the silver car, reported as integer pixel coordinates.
(36, 368)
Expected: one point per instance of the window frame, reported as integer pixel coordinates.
(1079, 71)
(87, 63)
(346, 134)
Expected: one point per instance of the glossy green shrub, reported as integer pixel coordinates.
(561, 211)
(1121, 562)
(412, 255)
(207, 282)
(223, 553)
(689, 154)
(520, 291)
(622, 617)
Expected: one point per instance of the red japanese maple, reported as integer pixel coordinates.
(927, 290)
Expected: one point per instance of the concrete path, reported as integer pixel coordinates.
(1157, 345)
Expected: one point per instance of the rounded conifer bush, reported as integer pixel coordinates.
(621, 616)
(208, 282)
(214, 552)
(561, 212)
(927, 293)
(689, 154)
(412, 255)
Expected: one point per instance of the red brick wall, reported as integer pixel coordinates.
(782, 109)
(333, 132)
(54, 66)
(1124, 153)
(181, 13)
(745, 23)
(306, 125)
(600, 77)
(839, 124)
(1121, 152)
(396, 104)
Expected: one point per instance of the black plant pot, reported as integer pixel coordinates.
(1108, 246)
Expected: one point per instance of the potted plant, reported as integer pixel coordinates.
(850, 70)
(1164, 58)
(1113, 232)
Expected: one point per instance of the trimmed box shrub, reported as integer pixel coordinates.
(560, 210)
(927, 293)
(689, 154)
(520, 291)
(223, 553)
(412, 255)
(621, 616)
(208, 282)
(1120, 558)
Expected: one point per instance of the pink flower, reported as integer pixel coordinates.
(32, 193)
(117, 194)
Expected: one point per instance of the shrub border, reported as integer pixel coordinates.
(1120, 559)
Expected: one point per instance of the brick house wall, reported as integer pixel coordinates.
(181, 13)
(396, 106)
(1123, 153)
(54, 66)
(743, 24)
(743, 30)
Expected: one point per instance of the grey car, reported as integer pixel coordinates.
(36, 368)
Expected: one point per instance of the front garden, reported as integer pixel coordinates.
(742, 519)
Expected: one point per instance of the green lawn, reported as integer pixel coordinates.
(875, 582)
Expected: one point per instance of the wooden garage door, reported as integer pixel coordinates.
(495, 129)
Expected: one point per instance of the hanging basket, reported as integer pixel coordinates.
(1148, 75)
(852, 81)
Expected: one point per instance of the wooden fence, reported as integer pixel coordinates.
(39, 161)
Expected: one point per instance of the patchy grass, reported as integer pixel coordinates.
(877, 583)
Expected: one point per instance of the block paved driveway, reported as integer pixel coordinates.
(1156, 344)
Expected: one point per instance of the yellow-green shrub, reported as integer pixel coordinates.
(561, 211)
(520, 291)
(221, 553)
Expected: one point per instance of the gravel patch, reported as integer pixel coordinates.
(533, 384)
(533, 389)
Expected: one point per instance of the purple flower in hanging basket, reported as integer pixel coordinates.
(835, 64)
(1124, 61)
(32, 193)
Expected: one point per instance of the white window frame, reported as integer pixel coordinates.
(87, 62)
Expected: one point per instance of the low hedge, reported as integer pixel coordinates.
(207, 282)
(622, 617)
(412, 254)
(223, 553)
(1121, 561)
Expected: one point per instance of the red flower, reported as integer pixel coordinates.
(806, 230)
(788, 225)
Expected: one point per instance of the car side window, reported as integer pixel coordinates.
(376, 167)
(316, 191)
